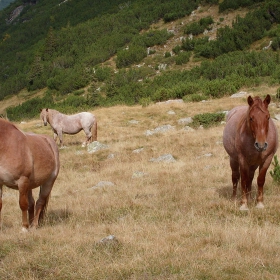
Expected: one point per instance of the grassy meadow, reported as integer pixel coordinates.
(175, 222)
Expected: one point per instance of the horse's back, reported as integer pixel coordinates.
(235, 114)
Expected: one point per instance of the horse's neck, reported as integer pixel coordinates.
(244, 125)
(52, 115)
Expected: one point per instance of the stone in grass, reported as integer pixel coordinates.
(96, 146)
(103, 184)
(163, 158)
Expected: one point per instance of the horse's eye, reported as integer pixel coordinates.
(251, 119)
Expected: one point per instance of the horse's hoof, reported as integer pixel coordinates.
(244, 207)
(24, 230)
(260, 205)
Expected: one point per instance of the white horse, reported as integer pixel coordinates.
(70, 124)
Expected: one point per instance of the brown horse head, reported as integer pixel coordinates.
(258, 119)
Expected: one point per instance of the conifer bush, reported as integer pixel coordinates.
(207, 119)
(275, 173)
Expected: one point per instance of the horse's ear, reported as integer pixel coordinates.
(250, 100)
(267, 100)
(47, 109)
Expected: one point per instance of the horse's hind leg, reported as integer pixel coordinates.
(31, 204)
(41, 203)
(235, 176)
(88, 135)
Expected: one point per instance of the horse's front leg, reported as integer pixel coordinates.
(260, 181)
(235, 176)
(60, 136)
(23, 185)
(251, 174)
(246, 183)
(54, 136)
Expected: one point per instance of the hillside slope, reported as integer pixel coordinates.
(176, 27)
(131, 56)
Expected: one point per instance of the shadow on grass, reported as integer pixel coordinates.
(225, 192)
(55, 217)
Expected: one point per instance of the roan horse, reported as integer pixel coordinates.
(27, 161)
(250, 138)
(72, 124)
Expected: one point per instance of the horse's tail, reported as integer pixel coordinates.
(94, 130)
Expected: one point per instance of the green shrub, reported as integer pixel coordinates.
(167, 54)
(196, 97)
(152, 38)
(173, 16)
(130, 56)
(196, 28)
(218, 88)
(30, 108)
(162, 94)
(275, 173)
(188, 44)
(152, 51)
(177, 49)
(79, 92)
(102, 73)
(145, 101)
(182, 58)
(278, 94)
(207, 119)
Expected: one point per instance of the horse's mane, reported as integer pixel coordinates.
(258, 103)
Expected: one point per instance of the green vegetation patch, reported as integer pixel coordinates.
(207, 119)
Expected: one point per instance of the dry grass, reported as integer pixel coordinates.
(176, 222)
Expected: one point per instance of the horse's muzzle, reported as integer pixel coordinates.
(259, 147)
(45, 124)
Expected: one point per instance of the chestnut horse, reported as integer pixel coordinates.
(251, 140)
(27, 161)
(72, 124)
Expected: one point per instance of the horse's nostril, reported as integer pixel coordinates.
(261, 147)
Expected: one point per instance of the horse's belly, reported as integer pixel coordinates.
(71, 131)
(7, 178)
